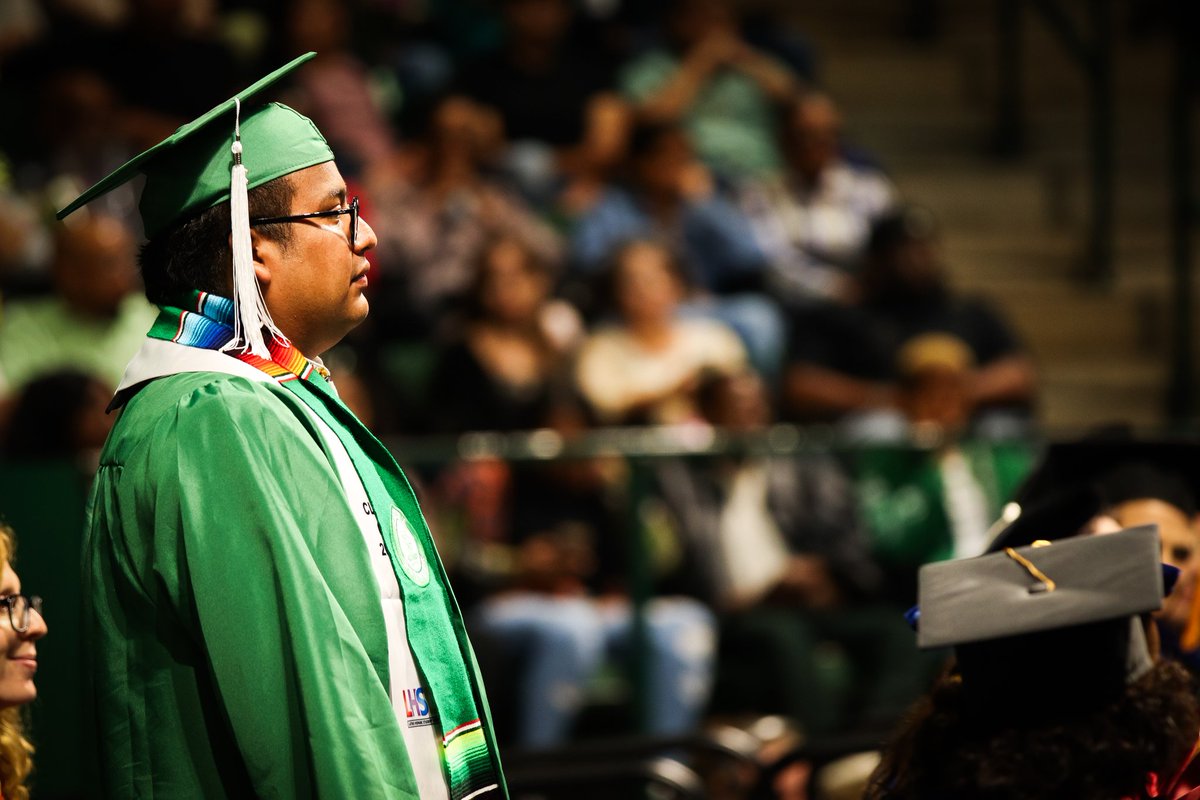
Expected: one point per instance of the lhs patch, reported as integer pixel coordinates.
(411, 557)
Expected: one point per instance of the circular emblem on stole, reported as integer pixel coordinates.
(412, 558)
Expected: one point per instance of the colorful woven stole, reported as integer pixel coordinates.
(435, 629)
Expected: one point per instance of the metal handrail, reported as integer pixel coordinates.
(1092, 51)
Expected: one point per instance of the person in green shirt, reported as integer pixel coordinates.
(95, 319)
(265, 612)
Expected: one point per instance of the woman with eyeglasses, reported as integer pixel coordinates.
(20, 628)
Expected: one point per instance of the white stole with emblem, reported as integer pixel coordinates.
(409, 698)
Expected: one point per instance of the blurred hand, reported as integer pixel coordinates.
(808, 582)
(695, 182)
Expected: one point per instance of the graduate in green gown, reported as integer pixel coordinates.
(265, 612)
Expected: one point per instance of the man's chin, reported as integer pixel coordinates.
(362, 307)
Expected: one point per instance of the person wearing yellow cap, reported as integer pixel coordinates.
(265, 612)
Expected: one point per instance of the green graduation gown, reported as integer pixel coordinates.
(234, 647)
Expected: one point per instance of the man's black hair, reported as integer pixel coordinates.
(195, 253)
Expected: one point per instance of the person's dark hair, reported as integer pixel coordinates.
(1145, 481)
(608, 278)
(195, 253)
(943, 752)
(904, 224)
(44, 420)
(473, 299)
(646, 137)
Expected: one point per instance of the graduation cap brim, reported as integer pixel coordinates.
(197, 133)
(1095, 578)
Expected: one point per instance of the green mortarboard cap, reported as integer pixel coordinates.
(189, 170)
(1072, 582)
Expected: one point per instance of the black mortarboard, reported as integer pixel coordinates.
(1030, 589)
(1047, 630)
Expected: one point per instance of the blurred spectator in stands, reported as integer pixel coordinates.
(672, 196)
(1133, 481)
(1144, 493)
(814, 219)
(843, 361)
(563, 612)
(501, 370)
(96, 319)
(21, 23)
(24, 240)
(776, 544)
(65, 131)
(335, 90)
(709, 79)
(158, 42)
(59, 415)
(935, 494)
(645, 367)
(450, 208)
(565, 125)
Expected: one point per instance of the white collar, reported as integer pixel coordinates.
(158, 358)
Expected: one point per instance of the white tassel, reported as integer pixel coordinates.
(250, 313)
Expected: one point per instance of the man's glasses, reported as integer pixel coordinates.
(352, 210)
(19, 607)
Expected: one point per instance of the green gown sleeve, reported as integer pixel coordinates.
(243, 545)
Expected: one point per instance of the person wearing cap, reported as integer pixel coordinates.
(1130, 481)
(936, 494)
(265, 612)
(1056, 689)
(842, 363)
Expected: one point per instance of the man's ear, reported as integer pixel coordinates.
(265, 253)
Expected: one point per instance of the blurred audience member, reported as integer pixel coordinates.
(712, 81)
(776, 544)
(1133, 481)
(60, 415)
(80, 133)
(18, 663)
(1144, 493)
(502, 370)
(450, 209)
(672, 196)
(645, 367)
(158, 42)
(21, 22)
(843, 361)
(565, 125)
(335, 89)
(24, 240)
(937, 497)
(814, 219)
(96, 319)
(564, 611)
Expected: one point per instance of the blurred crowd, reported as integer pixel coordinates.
(590, 213)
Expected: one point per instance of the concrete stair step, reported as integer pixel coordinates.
(1081, 394)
